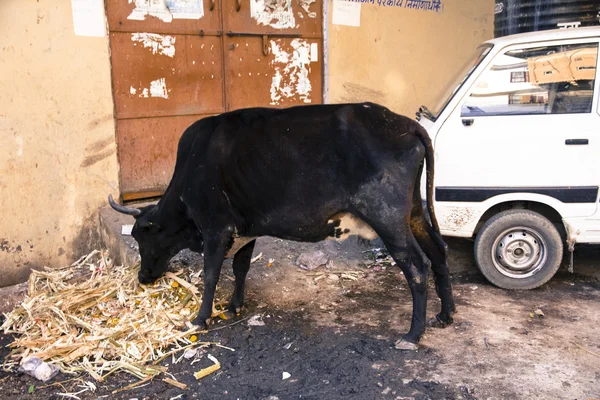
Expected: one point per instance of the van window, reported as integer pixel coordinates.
(448, 91)
(543, 80)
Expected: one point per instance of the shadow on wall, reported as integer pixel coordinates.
(355, 93)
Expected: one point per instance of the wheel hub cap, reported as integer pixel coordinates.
(519, 253)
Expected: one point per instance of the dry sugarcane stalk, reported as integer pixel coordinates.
(94, 316)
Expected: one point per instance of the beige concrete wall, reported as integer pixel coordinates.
(400, 57)
(57, 145)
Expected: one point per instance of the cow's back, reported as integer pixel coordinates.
(297, 167)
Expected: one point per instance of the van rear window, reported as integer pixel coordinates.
(542, 80)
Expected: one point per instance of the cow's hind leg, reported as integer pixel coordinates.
(241, 265)
(392, 225)
(435, 249)
(414, 266)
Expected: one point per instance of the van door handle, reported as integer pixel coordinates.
(570, 142)
(468, 122)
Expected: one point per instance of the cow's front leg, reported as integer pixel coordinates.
(241, 265)
(215, 246)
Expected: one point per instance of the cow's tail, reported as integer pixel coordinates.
(426, 140)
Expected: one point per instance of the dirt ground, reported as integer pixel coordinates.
(335, 337)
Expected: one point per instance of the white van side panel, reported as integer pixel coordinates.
(584, 230)
(461, 218)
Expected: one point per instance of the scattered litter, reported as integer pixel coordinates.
(312, 260)
(586, 350)
(93, 316)
(379, 259)
(175, 383)
(270, 263)
(337, 275)
(87, 386)
(288, 346)
(286, 375)
(208, 370)
(473, 288)
(257, 258)
(386, 390)
(256, 321)
(39, 369)
(190, 353)
(539, 313)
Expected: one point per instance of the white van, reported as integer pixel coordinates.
(517, 151)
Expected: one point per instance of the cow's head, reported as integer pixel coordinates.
(158, 241)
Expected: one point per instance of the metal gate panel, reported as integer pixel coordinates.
(160, 75)
(147, 149)
(163, 16)
(290, 73)
(297, 17)
(176, 61)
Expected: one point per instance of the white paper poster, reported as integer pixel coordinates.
(167, 10)
(314, 52)
(346, 13)
(275, 13)
(88, 18)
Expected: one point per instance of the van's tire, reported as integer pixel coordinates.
(518, 249)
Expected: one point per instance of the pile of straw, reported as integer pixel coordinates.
(95, 317)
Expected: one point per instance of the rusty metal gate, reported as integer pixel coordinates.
(176, 61)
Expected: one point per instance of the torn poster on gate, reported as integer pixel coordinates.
(274, 13)
(291, 71)
(167, 10)
(305, 4)
(158, 44)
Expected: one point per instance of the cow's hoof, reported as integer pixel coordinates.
(402, 344)
(202, 323)
(440, 322)
(232, 314)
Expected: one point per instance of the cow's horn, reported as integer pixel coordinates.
(122, 209)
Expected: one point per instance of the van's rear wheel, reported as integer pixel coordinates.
(518, 249)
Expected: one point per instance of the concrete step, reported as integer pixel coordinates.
(123, 248)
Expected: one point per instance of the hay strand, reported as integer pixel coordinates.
(95, 317)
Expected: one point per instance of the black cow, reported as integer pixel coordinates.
(304, 173)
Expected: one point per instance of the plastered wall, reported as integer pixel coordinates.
(57, 144)
(400, 57)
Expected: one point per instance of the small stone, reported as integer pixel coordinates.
(539, 313)
(190, 353)
(256, 321)
(333, 277)
(379, 384)
(404, 345)
(313, 260)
